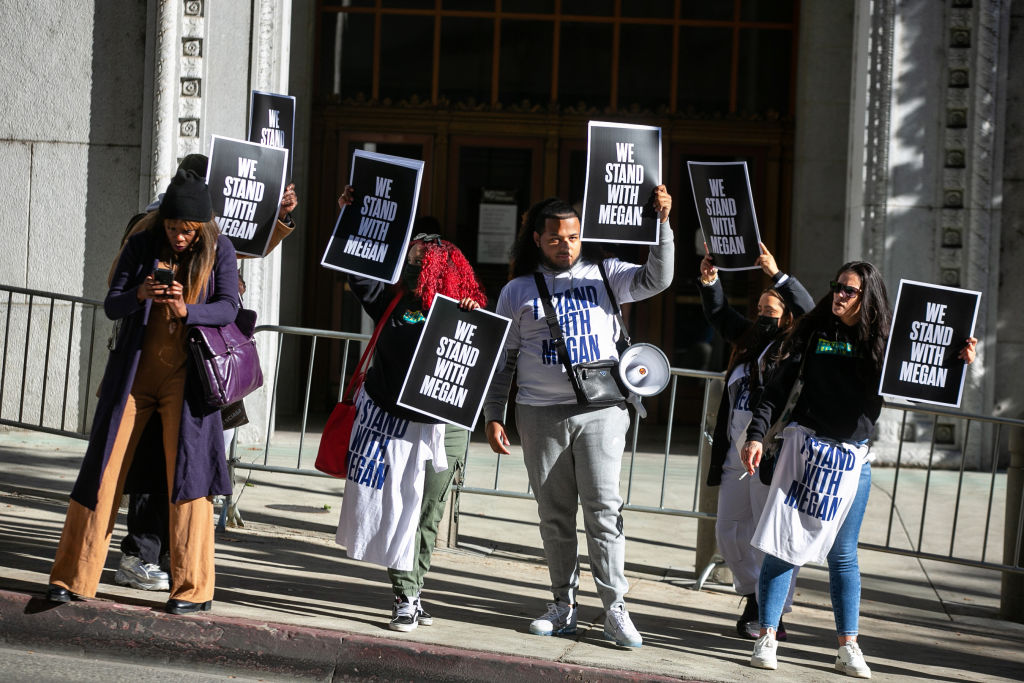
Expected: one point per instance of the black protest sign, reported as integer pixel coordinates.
(623, 168)
(725, 207)
(372, 234)
(455, 358)
(930, 326)
(272, 122)
(246, 182)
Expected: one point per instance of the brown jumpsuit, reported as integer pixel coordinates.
(159, 385)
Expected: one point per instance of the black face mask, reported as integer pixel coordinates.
(767, 326)
(411, 276)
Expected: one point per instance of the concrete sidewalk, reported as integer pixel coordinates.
(289, 604)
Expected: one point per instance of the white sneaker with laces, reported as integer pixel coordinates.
(137, 574)
(765, 650)
(850, 661)
(559, 620)
(619, 627)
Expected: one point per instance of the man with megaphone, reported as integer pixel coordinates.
(572, 450)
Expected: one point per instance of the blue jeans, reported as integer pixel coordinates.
(843, 570)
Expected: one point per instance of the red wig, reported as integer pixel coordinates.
(446, 271)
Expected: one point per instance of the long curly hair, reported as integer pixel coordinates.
(445, 270)
(196, 263)
(872, 328)
(526, 255)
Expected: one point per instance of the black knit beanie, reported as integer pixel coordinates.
(186, 199)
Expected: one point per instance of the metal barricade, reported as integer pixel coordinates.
(50, 349)
(678, 463)
(937, 525)
(46, 367)
(232, 514)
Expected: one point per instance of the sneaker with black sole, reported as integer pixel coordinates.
(850, 661)
(559, 620)
(765, 654)
(748, 625)
(405, 615)
(138, 574)
(619, 627)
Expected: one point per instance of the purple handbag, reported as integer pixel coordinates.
(225, 359)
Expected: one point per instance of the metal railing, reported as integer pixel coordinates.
(984, 480)
(44, 336)
(665, 464)
(46, 384)
(281, 332)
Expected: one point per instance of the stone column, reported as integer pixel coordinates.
(932, 180)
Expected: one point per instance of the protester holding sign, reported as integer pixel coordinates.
(146, 374)
(393, 503)
(753, 357)
(822, 479)
(572, 452)
(144, 559)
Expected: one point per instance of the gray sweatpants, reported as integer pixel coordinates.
(572, 452)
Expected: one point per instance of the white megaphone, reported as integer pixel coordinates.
(645, 371)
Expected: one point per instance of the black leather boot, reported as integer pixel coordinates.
(55, 593)
(186, 607)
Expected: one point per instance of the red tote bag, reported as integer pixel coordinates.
(332, 456)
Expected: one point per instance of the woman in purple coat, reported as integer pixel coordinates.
(175, 273)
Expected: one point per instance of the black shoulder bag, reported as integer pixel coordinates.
(772, 443)
(597, 383)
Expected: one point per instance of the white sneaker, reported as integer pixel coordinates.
(764, 656)
(559, 620)
(850, 661)
(619, 627)
(135, 573)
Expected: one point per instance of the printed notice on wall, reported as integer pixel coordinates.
(246, 181)
(725, 207)
(372, 234)
(623, 168)
(930, 326)
(496, 230)
(454, 362)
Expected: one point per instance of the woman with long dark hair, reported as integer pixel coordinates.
(410, 506)
(147, 373)
(741, 498)
(822, 476)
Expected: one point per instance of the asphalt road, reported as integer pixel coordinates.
(21, 665)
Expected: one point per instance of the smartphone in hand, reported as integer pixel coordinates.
(163, 276)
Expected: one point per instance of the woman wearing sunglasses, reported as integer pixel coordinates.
(754, 342)
(822, 477)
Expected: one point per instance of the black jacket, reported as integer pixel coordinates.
(395, 347)
(732, 325)
(839, 400)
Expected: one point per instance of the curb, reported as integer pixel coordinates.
(128, 632)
